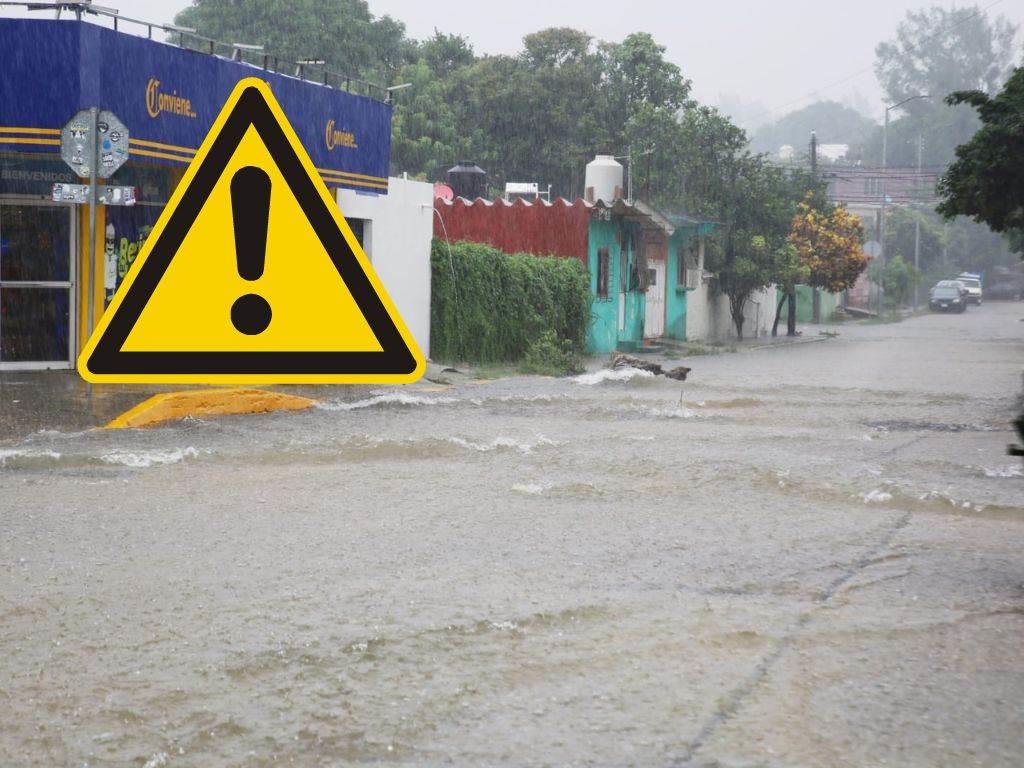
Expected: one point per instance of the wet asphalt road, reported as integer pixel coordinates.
(805, 556)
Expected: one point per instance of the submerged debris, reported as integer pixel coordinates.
(620, 360)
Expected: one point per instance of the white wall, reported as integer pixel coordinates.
(708, 317)
(397, 234)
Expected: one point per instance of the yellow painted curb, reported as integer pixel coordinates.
(169, 406)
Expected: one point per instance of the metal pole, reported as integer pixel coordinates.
(881, 224)
(91, 271)
(917, 228)
(629, 175)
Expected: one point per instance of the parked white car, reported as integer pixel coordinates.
(973, 286)
(973, 283)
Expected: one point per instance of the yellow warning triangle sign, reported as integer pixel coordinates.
(251, 274)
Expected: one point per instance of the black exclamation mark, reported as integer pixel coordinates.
(250, 212)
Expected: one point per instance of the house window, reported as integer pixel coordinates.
(603, 265)
(681, 267)
(361, 229)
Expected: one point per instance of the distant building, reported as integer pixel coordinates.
(863, 189)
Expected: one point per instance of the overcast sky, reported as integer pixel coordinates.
(757, 60)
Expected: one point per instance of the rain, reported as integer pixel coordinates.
(715, 458)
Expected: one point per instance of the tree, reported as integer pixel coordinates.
(899, 278)
(791, 273)
(935, 52)
(645, 94)
(445, 54)
(833, 123)
(754, 251)
(828, 243)
(987, 180)
(341, 32)
(636, 74)
(425, 134)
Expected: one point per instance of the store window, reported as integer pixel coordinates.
(35, 283)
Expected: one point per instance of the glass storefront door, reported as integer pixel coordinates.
(37, 302)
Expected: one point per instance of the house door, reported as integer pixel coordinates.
(623, 285)
(36, 296)
(654, 320)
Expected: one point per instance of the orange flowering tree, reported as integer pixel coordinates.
(828, 244)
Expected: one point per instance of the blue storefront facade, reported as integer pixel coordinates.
(168, 97)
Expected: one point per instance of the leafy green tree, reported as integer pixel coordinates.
(644, 94)
(636, 74)
(833, 123)
(691, 171)
(445, 54)
(899, 278)
(341, 32)
(538, 116)
(425, 134)
(901, 227)
(938, 51)
(754, 252)
(987, 179)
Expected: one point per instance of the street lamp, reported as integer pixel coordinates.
(394, 88)
(885, 176)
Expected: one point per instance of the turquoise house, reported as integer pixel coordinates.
(642, 264)
(638, 258)
(684, 260)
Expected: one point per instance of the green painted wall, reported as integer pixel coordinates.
(603, 335)
(675, 298)
(805, 304)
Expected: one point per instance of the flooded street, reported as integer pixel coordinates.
(806, 555)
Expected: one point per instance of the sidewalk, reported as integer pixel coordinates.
(31, 401)
(60, 400)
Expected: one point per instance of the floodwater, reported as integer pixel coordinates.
(808, 555)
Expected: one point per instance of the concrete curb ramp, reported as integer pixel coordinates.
(169, 406)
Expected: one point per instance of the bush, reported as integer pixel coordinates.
(550, 356)
(489, 307)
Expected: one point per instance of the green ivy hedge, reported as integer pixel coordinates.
(499, 304)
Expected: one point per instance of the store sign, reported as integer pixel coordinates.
(159, 102)
(338, 138)
(169, 97)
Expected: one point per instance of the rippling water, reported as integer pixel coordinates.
(802, 556)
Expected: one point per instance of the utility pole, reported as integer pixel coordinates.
(629, 175)
(885, 176)
(94, 160)
(647, 193)
(917, 224)
(815, 296)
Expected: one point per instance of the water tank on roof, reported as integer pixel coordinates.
(603, 179)
(467, 179)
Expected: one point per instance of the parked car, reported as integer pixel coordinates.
(959, 285)
(947, 298)
(973, 285)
